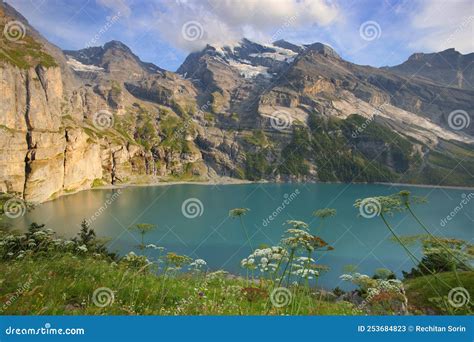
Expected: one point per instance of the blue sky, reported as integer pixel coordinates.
(373, 32)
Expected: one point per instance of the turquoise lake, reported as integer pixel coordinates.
(218, 239)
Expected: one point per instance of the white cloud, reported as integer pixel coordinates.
(226, 21)
(117, 6)
(444, 24)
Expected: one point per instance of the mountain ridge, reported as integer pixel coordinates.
(278, 112)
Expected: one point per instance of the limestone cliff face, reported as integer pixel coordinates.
(41, 155)
(82, 161)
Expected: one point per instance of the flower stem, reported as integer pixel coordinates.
(435, 238)
(416, 260)
(286, 266)
(246, 233)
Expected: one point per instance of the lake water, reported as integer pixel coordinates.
(219, 240)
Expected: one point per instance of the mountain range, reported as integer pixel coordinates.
(72, 120)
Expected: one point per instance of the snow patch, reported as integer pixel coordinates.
(247, 70)
(78, 66)
(280, 54)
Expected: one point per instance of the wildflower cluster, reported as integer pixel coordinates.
(266, 259)
(198, 265)
(293, 257)
(391, 204)
(38, 241)
(305, 268)
(380, 295)
(135, 261)
(296, 238)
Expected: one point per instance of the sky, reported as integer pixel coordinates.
(164, 32)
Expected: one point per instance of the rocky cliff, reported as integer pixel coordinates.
(73, 120)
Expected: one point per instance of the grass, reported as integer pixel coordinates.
(98, 182)
(24, 53)
(421, 290)
(64, 284)
(257, 138)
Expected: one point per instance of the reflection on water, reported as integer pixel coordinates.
(219, 240)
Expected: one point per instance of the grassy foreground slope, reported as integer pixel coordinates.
(65, 285)
(43, 274)
(421, 290)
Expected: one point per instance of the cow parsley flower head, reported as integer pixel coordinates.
(297, 224)
(198, 264)
(324, 213)
(299, 238)
(238, 212)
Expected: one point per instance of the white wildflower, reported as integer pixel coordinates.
(82, 248)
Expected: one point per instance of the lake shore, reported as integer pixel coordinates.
(425, 186)
(212, 182)
(236, 181)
